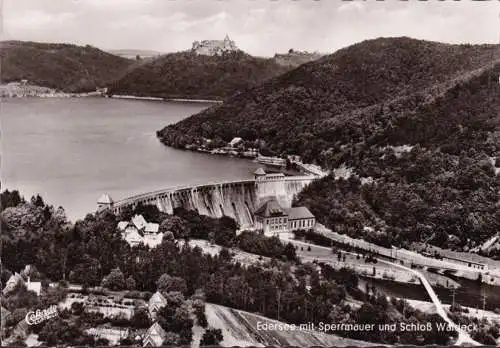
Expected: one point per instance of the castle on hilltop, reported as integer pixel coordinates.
(214, 47)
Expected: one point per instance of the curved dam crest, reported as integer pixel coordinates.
(236, 199)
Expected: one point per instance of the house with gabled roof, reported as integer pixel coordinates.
(138, 230)
(156, 302)
(155, 336)
(11, 284)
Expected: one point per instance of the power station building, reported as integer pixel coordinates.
(272, 219)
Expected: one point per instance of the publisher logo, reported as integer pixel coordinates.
(39, 316)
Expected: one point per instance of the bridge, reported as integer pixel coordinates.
(464, 338)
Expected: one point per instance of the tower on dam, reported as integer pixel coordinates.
(105, 202)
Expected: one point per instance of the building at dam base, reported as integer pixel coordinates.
(272, 219)
(236, 199)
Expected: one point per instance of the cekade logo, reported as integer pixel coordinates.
(39, 316)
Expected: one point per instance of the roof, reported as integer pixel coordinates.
(270, 208)
(12, 282)
(122, 225)
(142, 224)
(105, 199)
(260, 171)
(157, 298)
(299, 213)
(152, 227)
(139, 222)
(156, 334)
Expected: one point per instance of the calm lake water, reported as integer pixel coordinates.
(73, 150)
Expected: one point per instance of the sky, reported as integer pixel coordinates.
(259, 27)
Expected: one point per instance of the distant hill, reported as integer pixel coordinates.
(357, 108)
(65, 67)
(189, 75)
(132, 54)
(296, 58)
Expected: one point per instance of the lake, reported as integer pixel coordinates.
(73, 150)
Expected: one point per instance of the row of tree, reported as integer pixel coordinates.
(92, 251)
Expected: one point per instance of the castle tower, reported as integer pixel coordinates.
(104, 202)
(259, 174)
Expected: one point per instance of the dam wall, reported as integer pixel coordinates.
(236, 199)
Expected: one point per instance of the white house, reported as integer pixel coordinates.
(138, 230)
(155, 336)
(156, 302)
(34, 286)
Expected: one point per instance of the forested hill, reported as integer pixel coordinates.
(321, 103)
(65, 67)
(357, 107)
(188, 75)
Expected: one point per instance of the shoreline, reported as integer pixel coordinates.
(180, 100)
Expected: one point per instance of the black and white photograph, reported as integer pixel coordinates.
(249, 173)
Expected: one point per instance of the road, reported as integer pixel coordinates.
(463, 337)
(401, 254)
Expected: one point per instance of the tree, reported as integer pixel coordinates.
(130, 283)
(140, 319)
(115, 280)
(225, 231)
(57, 332)
(137, 57)
(167, 283)
(172, 339)
(290, 252)
(211, 337)
(77, 308)
(87, 273)
(10, 199)
(38, 201)
(176, 225)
